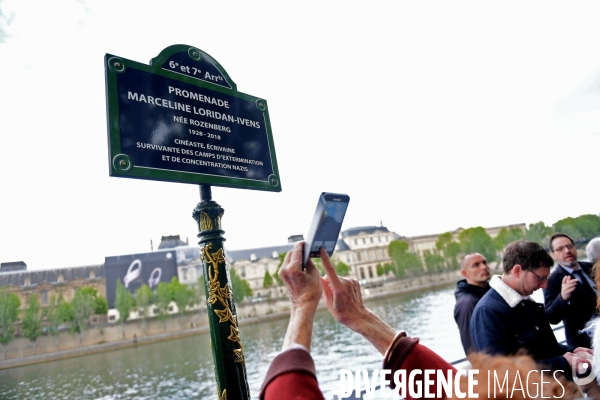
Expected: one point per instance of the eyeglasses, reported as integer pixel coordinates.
(562, 248)
(541, 279)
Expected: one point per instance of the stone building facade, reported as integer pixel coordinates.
(46, 283)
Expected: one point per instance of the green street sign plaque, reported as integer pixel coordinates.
(181, 119)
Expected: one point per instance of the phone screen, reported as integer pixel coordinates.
(329, 227)
(326, 225)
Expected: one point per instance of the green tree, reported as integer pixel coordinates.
(9, 314)
(100, 303)
(143, 300)
(405, 262)
(164, 296)
(32, 322)
(506, 236)
(380, 270)
(58, 314)
(124, 303)
(538, 232)
(477, 240)
(82, 307)
(449, 249)
(276, 274)
(584, 226)
(267, 280)
(341, 268)
(182, 296)
(239, 286)
(434, 261)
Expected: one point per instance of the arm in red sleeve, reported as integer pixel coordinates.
(292, 375)
(405, 353)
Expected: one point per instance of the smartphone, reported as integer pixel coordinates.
(326, 225)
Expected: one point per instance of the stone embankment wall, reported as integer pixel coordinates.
(20, 350)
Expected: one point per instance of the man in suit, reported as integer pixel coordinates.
(571, 293)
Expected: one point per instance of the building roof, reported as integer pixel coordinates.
(364, 230)
(342, 246)
(12, 266)
(262, 252)
(17, 278)
(169, 242)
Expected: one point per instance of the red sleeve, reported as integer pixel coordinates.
(407, 354)
(291, 375)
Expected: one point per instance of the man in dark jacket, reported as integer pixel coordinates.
(571, 293)
(506, 320)
(469, 291)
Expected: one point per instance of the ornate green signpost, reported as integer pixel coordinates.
(181, 119)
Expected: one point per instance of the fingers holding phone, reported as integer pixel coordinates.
(304, 288)
(342, 295)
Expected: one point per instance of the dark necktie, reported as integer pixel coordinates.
(579, 273)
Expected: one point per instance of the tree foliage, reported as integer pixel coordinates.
(59, 312)
(9, 314)
(239, 286)
(585, 226)
(449, 249)
(82, 307)
(538, 232)
(434, 261)
(124, 303)
(100, 303)
(404, 261)
(267, 280)
(477, 240)
(32, 322)
(143, 300)
(341, 268)
(506, 236)
(183, 295)
(163, 298)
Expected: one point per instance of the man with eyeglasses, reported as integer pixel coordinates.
(571, 294)
(506, 320)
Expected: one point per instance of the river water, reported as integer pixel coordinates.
(183, 368)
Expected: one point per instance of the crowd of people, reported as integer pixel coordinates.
(501, 327)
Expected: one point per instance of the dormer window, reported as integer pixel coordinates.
(275, 254)
(92, 275)
(252, 257)
(27, 282)
(60, 279)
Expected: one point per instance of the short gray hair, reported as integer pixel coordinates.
(593, 249)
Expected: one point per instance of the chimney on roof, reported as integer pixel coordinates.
(295, 238)
(380, 223)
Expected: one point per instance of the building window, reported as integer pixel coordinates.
(371, 240)
(357, 256)
(362, 273)
(112, 318)
(366, 254)
(364, 241)
(184, 273)
(243, 272)
(349, 258)
(44, 297)
(379, 239)
(266, 266)
(370, 271)
(355, 242)
(373, 255)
